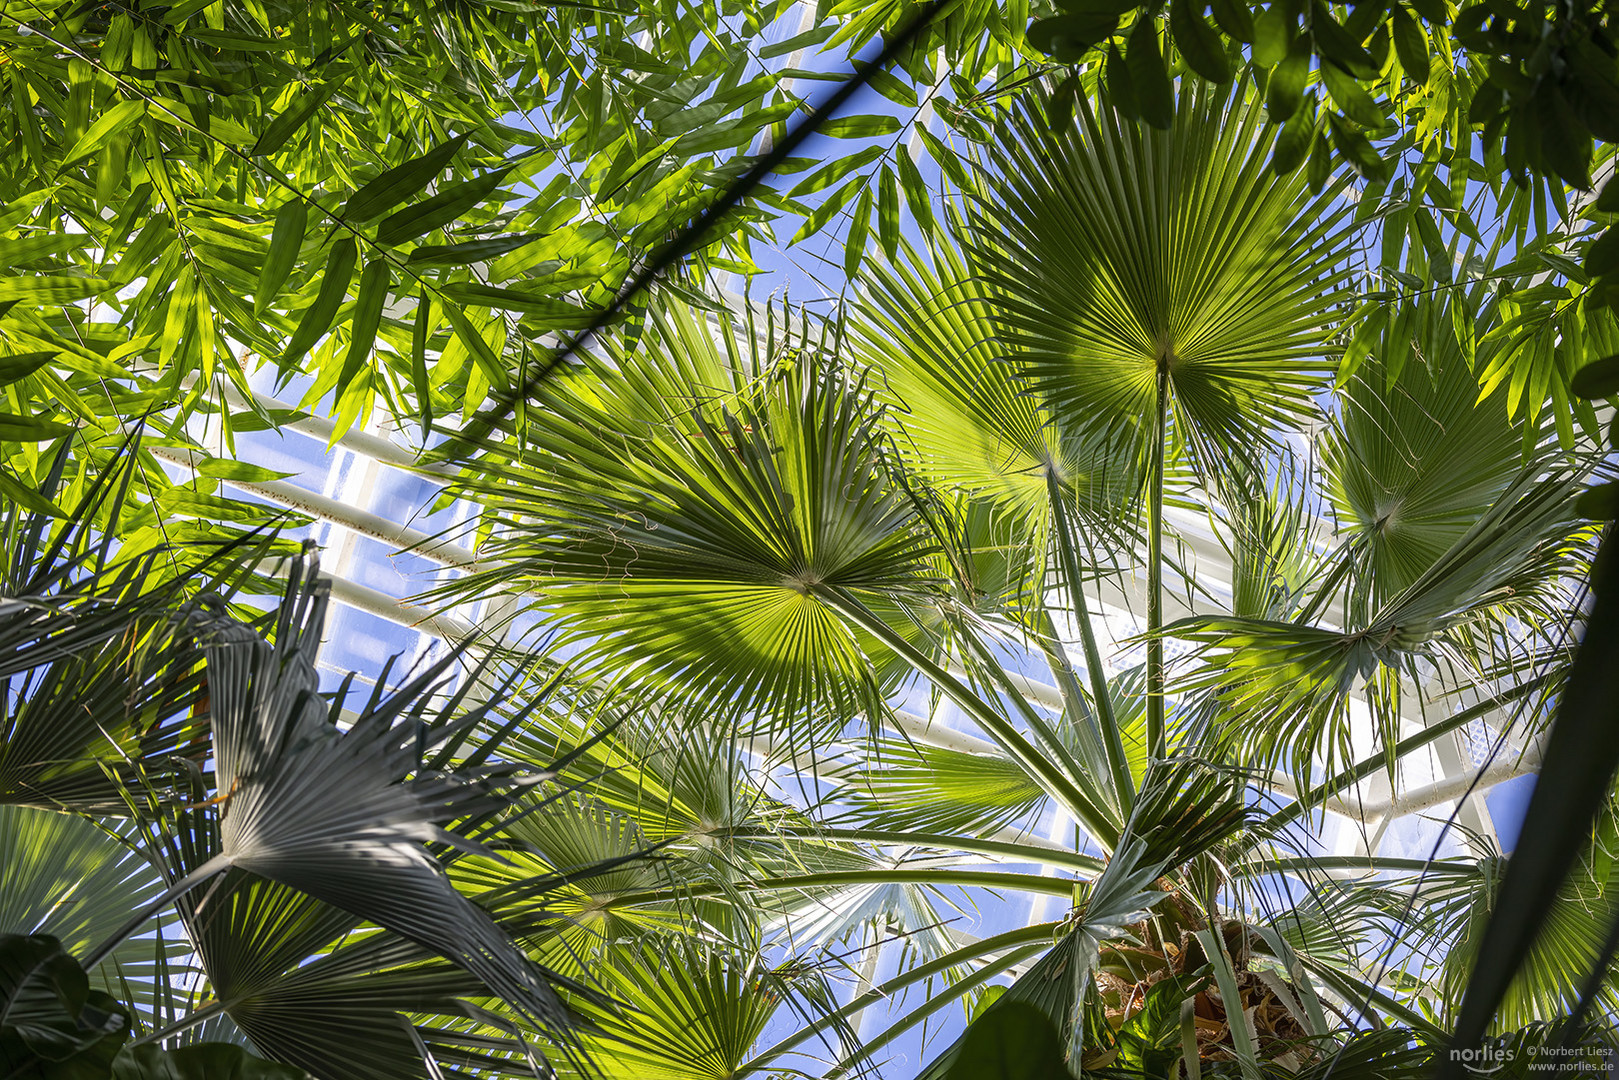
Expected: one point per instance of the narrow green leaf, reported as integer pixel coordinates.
(807, 40)
(393, 186)
(860, 127)
(303, 107)
(18, 250)
(286, 240)
(181, 316)
(420, 330)
(440, 210)
(52, 289)
(114, 120)
(854, 247)
(823, 213)
(373, 295)
(26, 496)
(21, 365)
(230, 469)
(14, 428)
(476, 295)
(888, 212)
(334, 287)
(949, 163)
(830, 174)
(474, 342)
(917, 194)
(470, 252)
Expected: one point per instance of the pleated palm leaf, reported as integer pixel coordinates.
(1141, 272)
(967, 418)
(1450, 927)
(1452, 542)
(1166, 287)
(686, 512)
(1414, 451)
(95, 688)
(313, 839)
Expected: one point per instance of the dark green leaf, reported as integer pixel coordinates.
(1598, 379)
(1273, 34)
(286, 240)
(1602, 257)
(1293, 141)
(393, 186)
(1357, 150)
(1154, 93)
(440, 210)
(1600, 503)
(1068, 38)
(1285, 89)
(22, 365)
(1564, 142)
(1350, 97)
(15, 428)
(1409, 44)
(473, 294)
(1120, 89)
(1336, 44)
(334, 287)
(1234, 18)
(1608, 201)
(303, 107)
(1199, 43)
(200, 1061)
(1011, 1041)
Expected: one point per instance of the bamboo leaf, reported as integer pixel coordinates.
(391, 187)
(440, 210)
(286, 241)
(375, 280)
(334, 287)
(303, 108)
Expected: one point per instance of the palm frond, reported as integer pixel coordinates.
(1118, 253)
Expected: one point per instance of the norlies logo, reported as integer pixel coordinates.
(1481, 1060)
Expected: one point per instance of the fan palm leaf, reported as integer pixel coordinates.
(1414, 451)
(686, 537)
(1122, 256)
(930, 335)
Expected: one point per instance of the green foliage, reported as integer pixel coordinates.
(54, 1027)
(1016, 1042)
